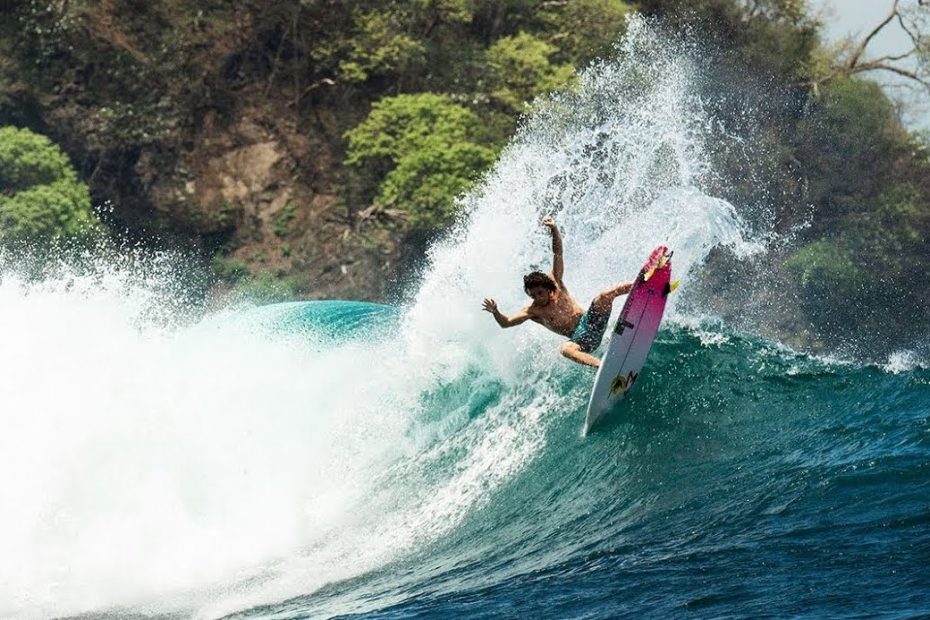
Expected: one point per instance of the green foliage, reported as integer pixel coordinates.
(229, 270)
(520, 69)
(282, 223)
(902, 221)
(380, 46)
(133, 124)
(427, 180)
(267, 287)
(848, 144)
(890, 239)
(584, 29)
(46, 28)
(448, 11)
(41, 198)
(780, 36)
(772, 37)
(257, 286)
(871, 213)
(827, 268)
(857, 116)
(126, 77)
(28, 159)
(416, 153)
(7, 77)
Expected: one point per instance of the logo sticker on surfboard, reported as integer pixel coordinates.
(621, 325)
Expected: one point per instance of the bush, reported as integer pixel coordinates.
(417, 153)
(379, 47)
(827, 267)
(520, 70)
(41, 198)
(584, 29)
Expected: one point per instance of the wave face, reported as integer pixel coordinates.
(327, 459)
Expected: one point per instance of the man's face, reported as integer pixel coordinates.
(541, 295)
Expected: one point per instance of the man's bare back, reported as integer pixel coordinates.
(554, 308)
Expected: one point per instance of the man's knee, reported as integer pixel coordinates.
(568, 349)
(604, 300)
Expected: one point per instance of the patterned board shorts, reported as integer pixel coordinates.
(590, 330)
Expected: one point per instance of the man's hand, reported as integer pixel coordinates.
(502, 319)
(549, 223)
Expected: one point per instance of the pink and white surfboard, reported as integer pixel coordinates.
(632, 337)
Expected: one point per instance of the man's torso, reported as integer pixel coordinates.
(561, 315)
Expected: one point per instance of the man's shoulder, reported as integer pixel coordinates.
(534, 312)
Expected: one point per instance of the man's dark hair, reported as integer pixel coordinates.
(538, 278)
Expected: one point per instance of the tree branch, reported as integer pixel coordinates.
(865, 42)
(878, 66)
(311, 88)
(915, 38)
(894, 58)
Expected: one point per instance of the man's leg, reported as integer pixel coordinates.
(572, 350)
(605, 299)
(602, 305)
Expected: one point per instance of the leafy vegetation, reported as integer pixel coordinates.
(416, 153)
(41, 199)
(871, 221)
(520, 70)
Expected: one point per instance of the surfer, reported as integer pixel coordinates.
(554, 308)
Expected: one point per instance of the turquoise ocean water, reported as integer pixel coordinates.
(740, 479)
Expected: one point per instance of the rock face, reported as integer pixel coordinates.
(238, 177)
(262, 192)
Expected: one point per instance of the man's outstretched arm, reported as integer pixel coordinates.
(558, 264)
(502, 319)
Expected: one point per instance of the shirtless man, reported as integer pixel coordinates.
(554, 308)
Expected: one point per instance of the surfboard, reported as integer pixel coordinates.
(632, 336)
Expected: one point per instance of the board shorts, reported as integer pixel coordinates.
(590, 330)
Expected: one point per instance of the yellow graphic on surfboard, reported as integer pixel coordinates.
(620, 384)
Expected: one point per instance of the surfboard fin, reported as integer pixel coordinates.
(671, 286)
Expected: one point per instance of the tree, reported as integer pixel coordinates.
(416, 153)
(583, 29)
(520, 70)
(852, 58)
(380, 46)
(41, 198)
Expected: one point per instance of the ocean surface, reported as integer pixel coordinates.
(335, 459)
(740, 479)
